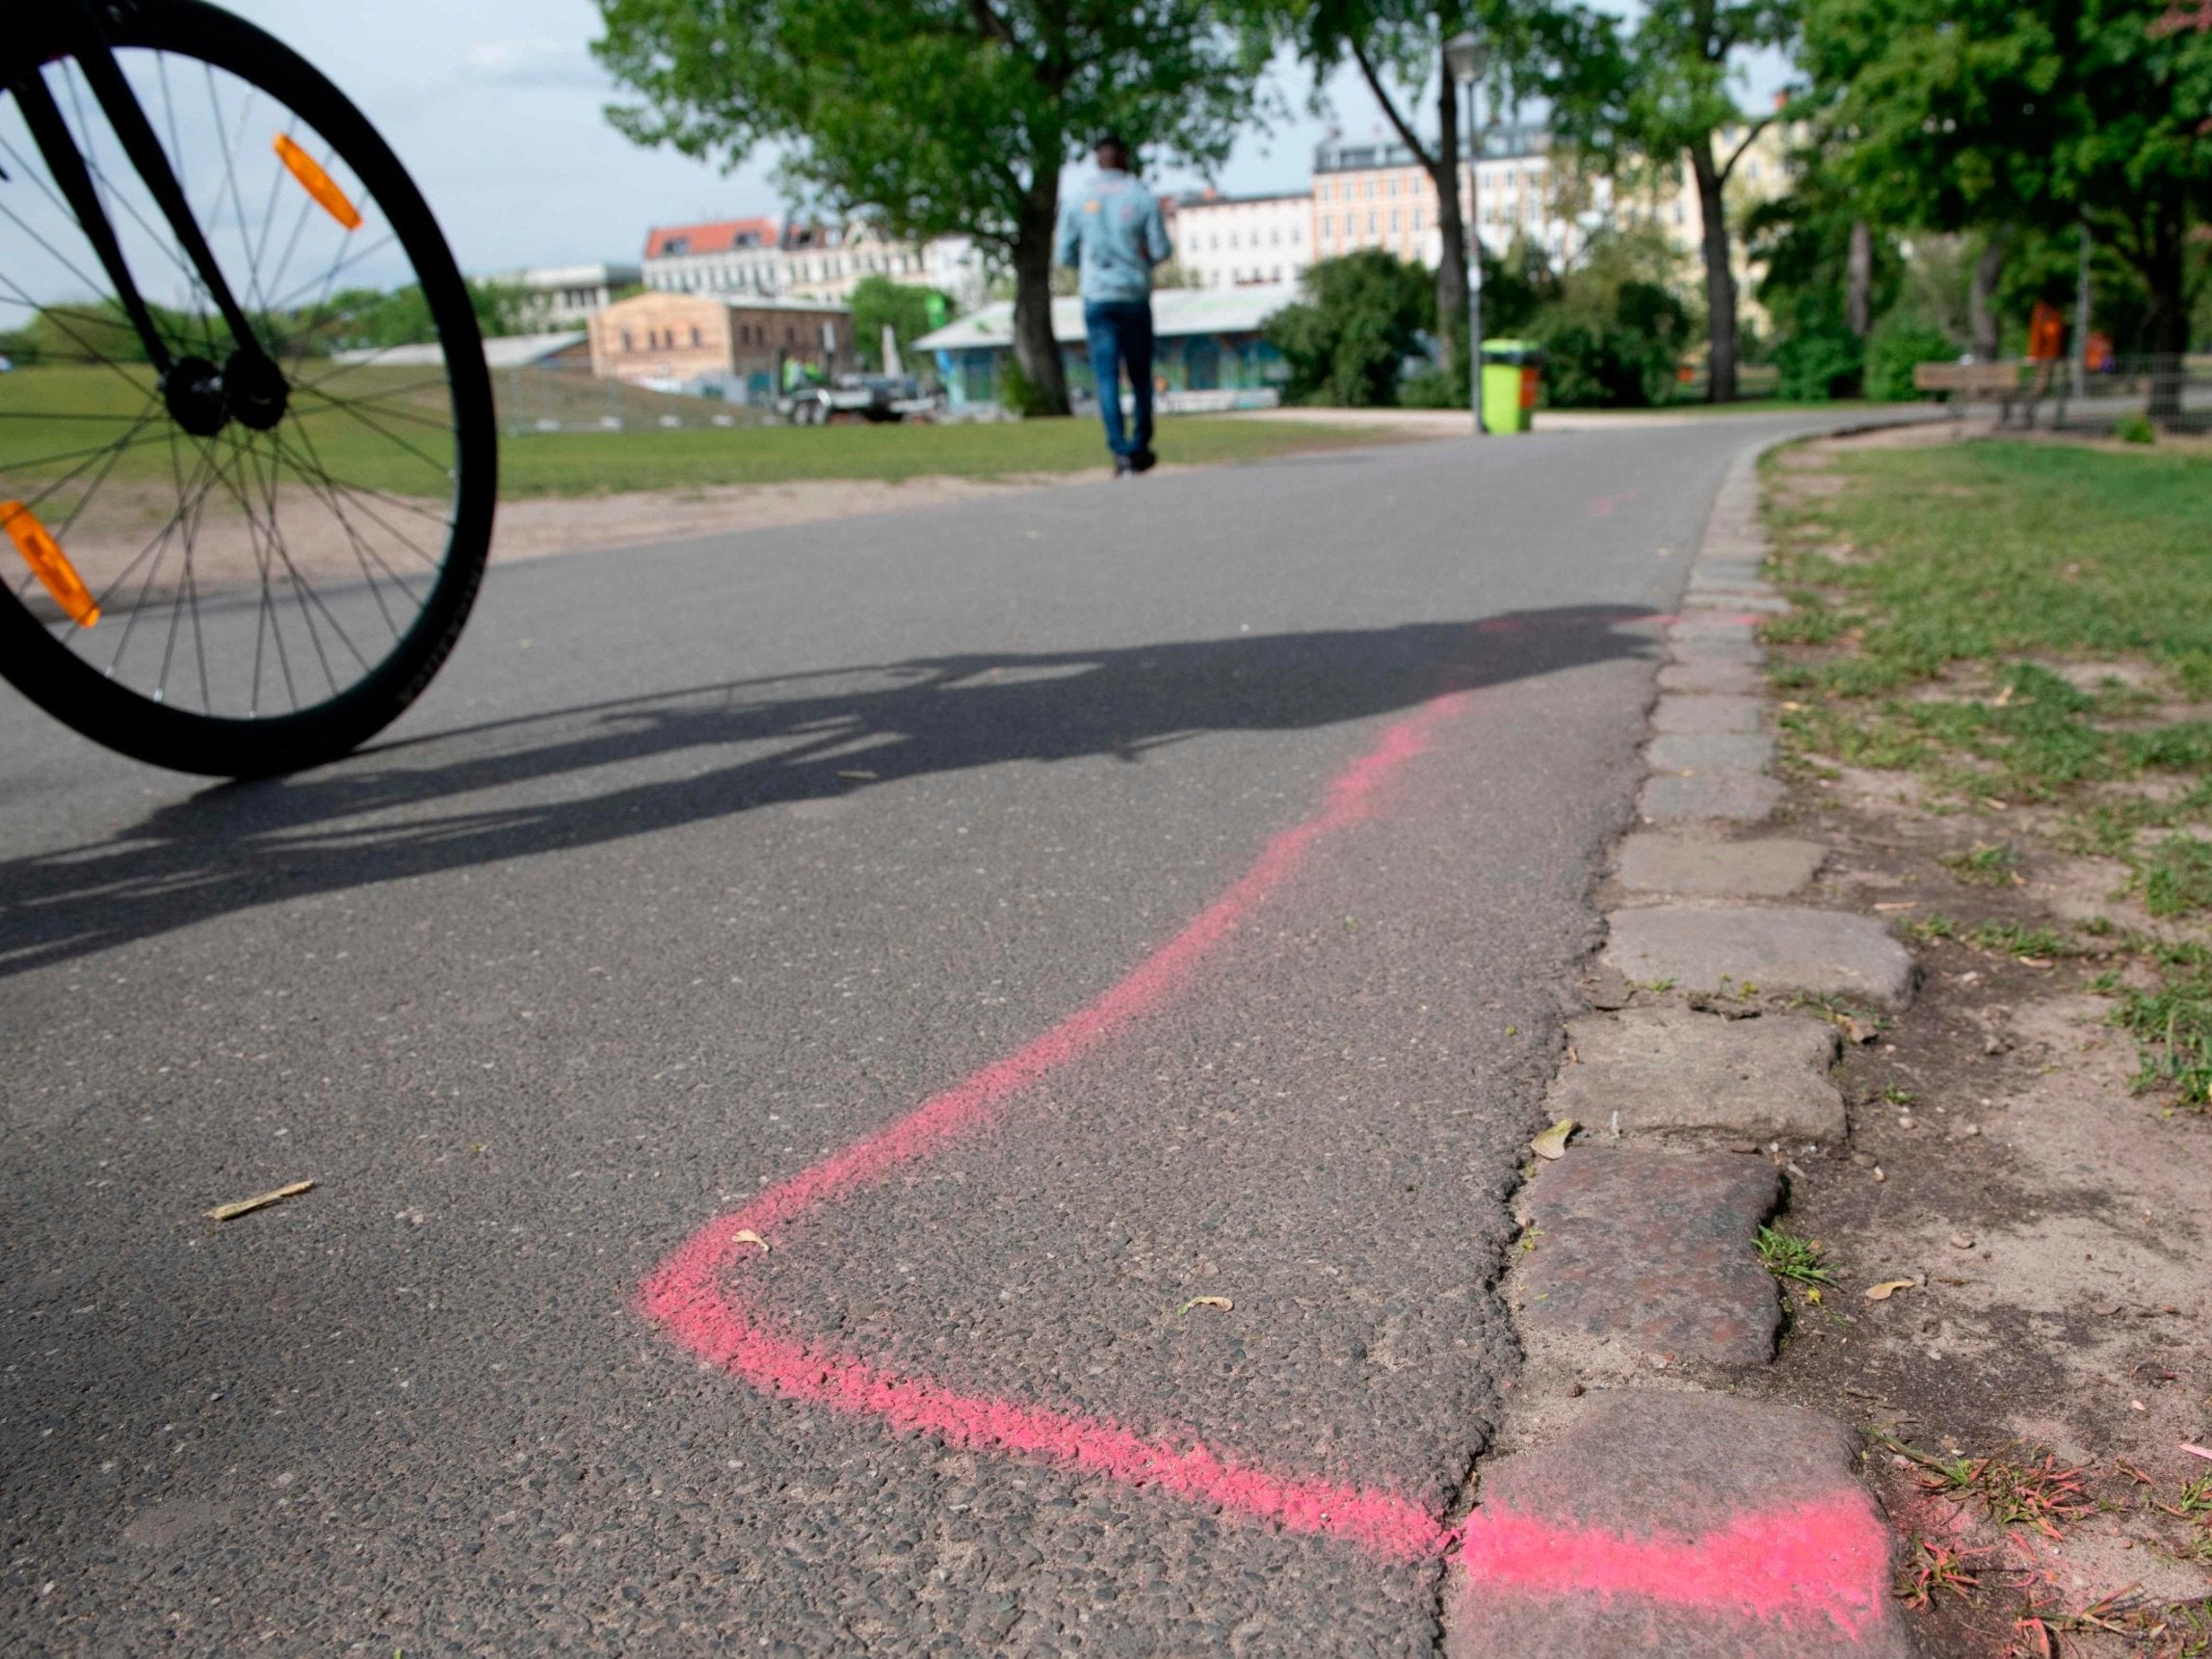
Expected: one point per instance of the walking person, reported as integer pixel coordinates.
(1111, 230)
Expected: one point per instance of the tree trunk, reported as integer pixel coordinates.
(1033, 346)
(1452, 238)
(1858, 280)
(2166, 319)
(1981, 298)
(1720, 279)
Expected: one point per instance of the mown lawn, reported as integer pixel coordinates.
(2027, 624)
(1989, 550)
(573, 463)
(387, 434)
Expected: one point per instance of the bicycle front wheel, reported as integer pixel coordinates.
(205, 580)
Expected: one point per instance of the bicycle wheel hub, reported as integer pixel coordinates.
(249, 388)
(255, 389)
(192, 390)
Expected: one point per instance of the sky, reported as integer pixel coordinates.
(496, 108)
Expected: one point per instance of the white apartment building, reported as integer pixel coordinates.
(743, 257)
(1377, 195)
(1241, 241)
(564, 297)
(825, 263)
(957, 265)
(760, 258)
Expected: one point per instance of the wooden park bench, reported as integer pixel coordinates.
(1999, 383)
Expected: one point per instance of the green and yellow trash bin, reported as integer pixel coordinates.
(1511, 370)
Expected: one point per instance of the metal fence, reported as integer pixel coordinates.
(2173, 391)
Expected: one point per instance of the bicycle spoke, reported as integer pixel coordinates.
(361, 498)
(383, 407)
(158, 548)
(442, 384)
(305, 589)
(176, 611)
(93, 460)
(14, 466)
(114, 454)
(161, 238)
(285, 302)
(362, 551)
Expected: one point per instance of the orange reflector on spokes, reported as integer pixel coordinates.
(317, 183)
(52, 567)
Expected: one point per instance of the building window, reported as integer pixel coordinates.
(1370, 222)
(628, 344)
(694, 338)
(1393, 222)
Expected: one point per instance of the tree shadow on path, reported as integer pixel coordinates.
(599, 772)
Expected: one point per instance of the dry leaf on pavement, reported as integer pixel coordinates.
(1887, 1288)
(1552, 1143)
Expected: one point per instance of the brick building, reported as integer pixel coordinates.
(734, 347)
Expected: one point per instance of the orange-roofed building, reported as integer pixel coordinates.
(720, 256)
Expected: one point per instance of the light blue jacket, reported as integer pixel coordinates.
(1112, 231)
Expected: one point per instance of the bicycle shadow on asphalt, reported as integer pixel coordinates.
(744, 744)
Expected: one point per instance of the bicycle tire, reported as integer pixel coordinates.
(73, 689)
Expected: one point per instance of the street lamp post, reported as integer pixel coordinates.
(1464, 56)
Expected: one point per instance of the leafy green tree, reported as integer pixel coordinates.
(935, 116)
(1516, 286)
(910, 312)
(1613, 328)
(1675, 102)
(1362, 316)
(1978, 115)
(1899, 344)
(1827, 276)
(1548, 49)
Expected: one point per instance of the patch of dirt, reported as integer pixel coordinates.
(2134, 675)
(1858, 786)
(120, 551)
(2083, 889)
(528, 529)
(2052, 1226)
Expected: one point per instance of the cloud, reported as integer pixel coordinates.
(538, 62)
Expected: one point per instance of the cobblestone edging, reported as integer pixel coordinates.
(1638, 1289)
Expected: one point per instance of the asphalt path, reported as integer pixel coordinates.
(1253, 811)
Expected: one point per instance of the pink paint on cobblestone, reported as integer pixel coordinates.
(1818, 1563)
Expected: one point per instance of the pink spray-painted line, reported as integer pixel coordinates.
(690, 1297)
(1824, 1561)
(969, 1105)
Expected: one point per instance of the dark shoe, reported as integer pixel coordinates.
(1123, 467)
(1144, 461)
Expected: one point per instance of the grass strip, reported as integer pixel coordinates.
(2024, 622)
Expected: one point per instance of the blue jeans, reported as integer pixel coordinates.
(1120, 334)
